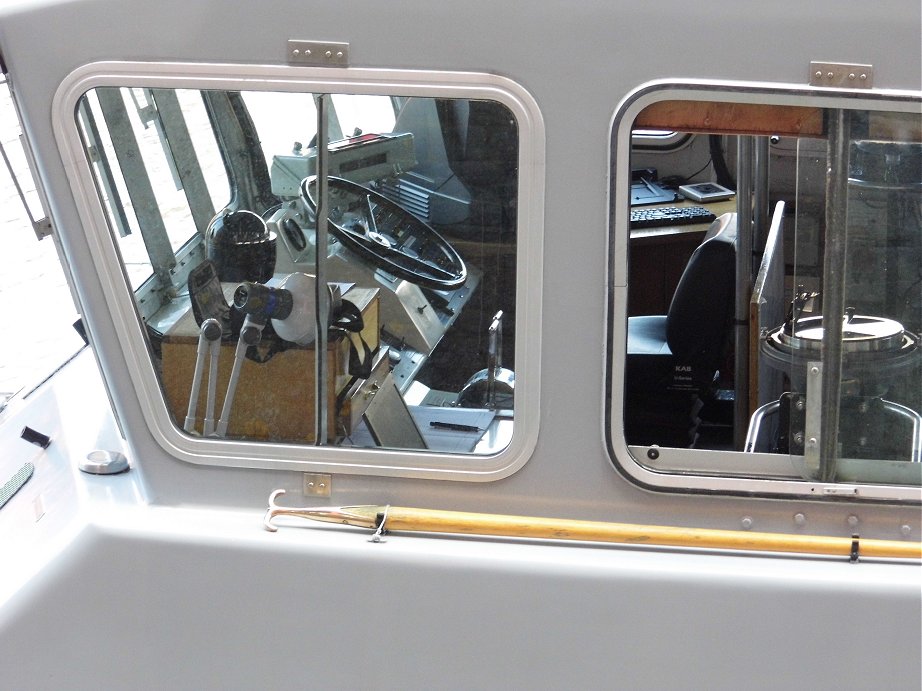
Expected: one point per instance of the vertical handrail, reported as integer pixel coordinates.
(40, 226)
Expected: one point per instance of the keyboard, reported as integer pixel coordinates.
(670, 216)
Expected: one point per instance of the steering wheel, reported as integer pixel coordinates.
(387, 235)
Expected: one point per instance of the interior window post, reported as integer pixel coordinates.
(822, 453)
(321, 295)
(744, 198)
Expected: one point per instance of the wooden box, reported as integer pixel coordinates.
(274, 400)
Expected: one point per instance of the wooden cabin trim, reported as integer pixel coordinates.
(732, 118)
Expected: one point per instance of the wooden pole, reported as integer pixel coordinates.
(425, 520)
(398, 518)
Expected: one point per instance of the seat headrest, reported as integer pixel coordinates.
(725, 225)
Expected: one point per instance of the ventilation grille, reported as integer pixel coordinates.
(413, 198)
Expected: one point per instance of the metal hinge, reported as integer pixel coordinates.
(841, 74)
(318, 53)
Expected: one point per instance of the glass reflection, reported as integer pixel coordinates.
(833, 363)
(215, 199)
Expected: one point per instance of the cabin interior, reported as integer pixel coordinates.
(739, 219)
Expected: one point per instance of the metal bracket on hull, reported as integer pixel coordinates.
(842, 75)
(318, 484)
(318, 53)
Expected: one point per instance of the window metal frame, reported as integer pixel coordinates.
(696, 470)
(123, 311)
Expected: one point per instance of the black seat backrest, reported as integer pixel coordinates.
(701, 312)
(490, 156)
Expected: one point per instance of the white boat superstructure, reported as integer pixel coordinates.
(587, 335)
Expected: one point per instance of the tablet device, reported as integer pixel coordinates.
(706, 192)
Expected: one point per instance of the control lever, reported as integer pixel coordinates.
(494, 356)
(493, 387)
(209, 342)
(250, 335)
